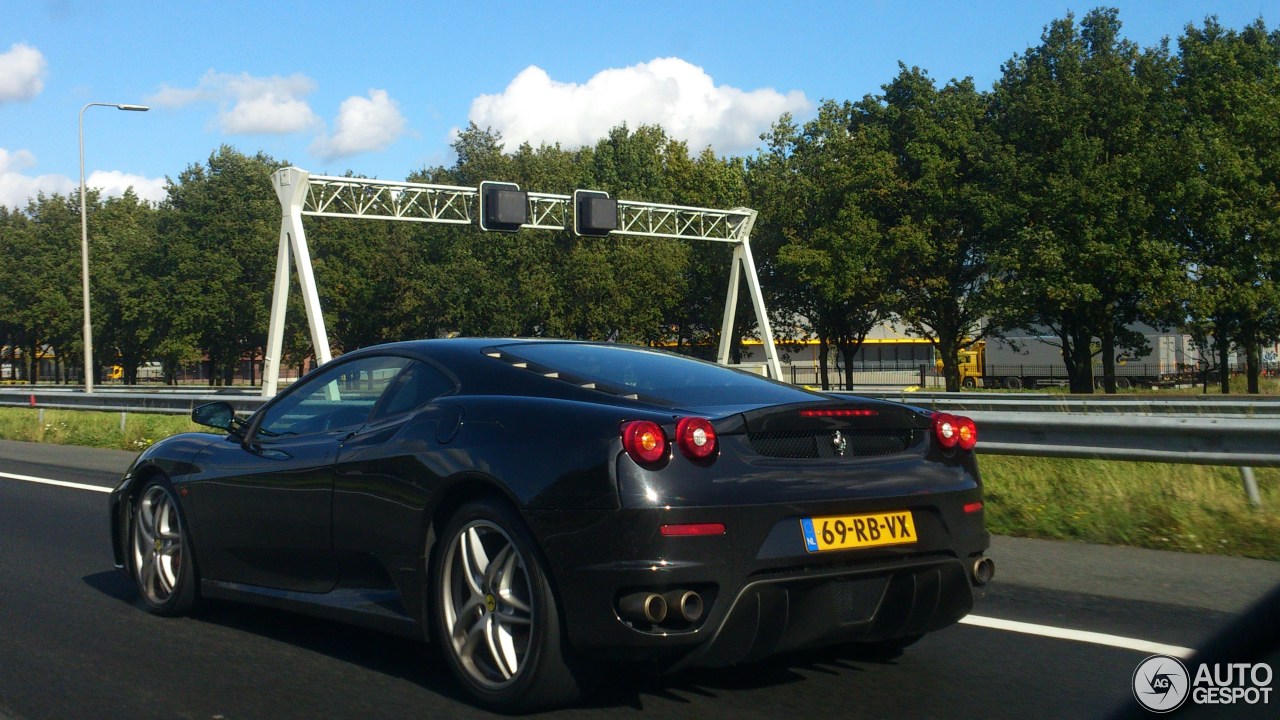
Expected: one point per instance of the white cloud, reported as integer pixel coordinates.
(113, 183)
(363, 125)
(22, 72)
(17, 160)
(16, 188)
(178, 97)
(679, 96)
(249, 105)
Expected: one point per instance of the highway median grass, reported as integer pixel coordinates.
(92, 429)
(1187, 508)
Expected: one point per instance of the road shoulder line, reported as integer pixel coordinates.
(1116, 641)
(59, 483)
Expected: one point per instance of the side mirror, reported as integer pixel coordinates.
(218, 415)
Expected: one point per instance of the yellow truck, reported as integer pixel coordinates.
(1033, 361)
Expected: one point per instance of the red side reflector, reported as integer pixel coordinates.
(839, 413)
(688, 529)
(972, 507)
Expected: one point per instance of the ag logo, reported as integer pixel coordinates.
(1161, 683)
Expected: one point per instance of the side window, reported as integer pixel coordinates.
(417, 385)
(340, 397)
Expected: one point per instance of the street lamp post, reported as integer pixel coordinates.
(84, 245)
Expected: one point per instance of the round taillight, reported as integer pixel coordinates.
(945, 427)
(955, 431)
(696, 438)
(967, 430)
(644, 441)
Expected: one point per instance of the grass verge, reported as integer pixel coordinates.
(1189, 508)
(94, 429)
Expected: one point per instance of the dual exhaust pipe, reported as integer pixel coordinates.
(673, 607)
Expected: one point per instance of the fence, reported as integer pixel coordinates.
(868, 374)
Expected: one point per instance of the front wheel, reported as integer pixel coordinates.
(495, 613)
(162, 562)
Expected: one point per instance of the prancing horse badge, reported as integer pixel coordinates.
(839, 443)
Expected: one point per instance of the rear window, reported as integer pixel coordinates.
(674, 379)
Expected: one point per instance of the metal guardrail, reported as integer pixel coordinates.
(1251, 442)
(1188, 406)
(171, 403)
(1200, 431)
(1204, 431)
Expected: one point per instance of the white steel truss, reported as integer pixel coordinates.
(301, 193)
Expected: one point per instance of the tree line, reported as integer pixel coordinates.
(1097, 185)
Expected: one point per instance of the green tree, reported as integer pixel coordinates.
(943, 213)
(706, 181)
(127, 283)
(1086, 113)
(17, 247)
(833, 266)
(540, 283)
(223, 220)
(1226, 211)
(45, 296)
(479, 283)
(634, 288)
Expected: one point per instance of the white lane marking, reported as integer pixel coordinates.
(1116, 641)
(59, 483)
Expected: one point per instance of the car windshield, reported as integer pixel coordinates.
(674, 379)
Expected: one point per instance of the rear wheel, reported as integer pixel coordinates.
(160, 550)
(495, 613)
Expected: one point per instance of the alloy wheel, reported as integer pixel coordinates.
(158, 553)
(488, 606)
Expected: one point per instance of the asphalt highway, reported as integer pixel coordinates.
(1058, 634)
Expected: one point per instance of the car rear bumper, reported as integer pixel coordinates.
(771, 616)
(761, 591)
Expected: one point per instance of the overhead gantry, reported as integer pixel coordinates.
(492, 206)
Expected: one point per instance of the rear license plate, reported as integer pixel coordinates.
(842, 532)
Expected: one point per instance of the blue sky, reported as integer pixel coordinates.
(378, 87)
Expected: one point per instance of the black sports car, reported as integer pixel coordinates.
(534, 505)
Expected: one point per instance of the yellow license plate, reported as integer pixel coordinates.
(841, 532)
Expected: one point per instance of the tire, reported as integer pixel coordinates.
(495, 614)
(1122, 383)
(160, 553)
(1013, 382)
(969, 383)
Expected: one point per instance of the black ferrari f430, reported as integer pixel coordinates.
(536, 506)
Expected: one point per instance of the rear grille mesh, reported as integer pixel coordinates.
(857, 600)
(825, 444)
